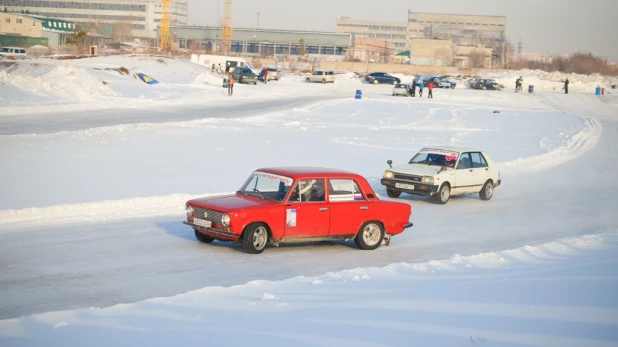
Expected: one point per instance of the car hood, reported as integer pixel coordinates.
(417, 169)
(225, 203)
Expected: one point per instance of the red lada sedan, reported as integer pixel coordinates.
(298, 204)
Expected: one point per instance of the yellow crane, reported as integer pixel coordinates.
(226, 30)
(165, 24)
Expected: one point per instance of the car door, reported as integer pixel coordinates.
(480, 170)
(307, 212)
(317, 76)
(464, 176)
(348, 207)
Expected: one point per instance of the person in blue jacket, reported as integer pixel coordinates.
(421, 85)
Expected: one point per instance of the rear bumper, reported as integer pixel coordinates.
(214, 232)
(419, 189)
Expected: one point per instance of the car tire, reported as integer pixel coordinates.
(240, 79)
(255, 83)
(323, 80)
(444, 194)
(308, 80)
(255, 238)
(452, 86)
(395, 82)
(488, 190)
(203, 238)
(393, 193)
(370, 236)
(483, 87)
(375, 82)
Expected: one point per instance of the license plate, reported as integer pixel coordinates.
(404, 186)
(202, 222)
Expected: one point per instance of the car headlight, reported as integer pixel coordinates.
(225, 220)
(388, 174)
(427, 180)
(189, 210)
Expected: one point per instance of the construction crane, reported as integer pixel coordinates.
(226, 33)
(165, 24)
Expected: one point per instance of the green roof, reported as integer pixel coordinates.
(53, 23)
(403, 54)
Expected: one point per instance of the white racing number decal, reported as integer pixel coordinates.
(290, 217)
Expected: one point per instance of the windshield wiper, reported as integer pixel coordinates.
(261, 196)
(241, 192)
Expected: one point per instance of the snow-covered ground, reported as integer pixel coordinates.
(97, 165)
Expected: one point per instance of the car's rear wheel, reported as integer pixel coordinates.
(308, 80)
(395, 82)
(483, 87)
(488, 190)
(375, 81)
(323, 80)
(203, 238)
(255, 238)
(370, 236)
(393, 193)
(444, 194)
(452, 86)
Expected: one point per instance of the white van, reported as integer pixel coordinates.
(225, 62)
(12, 53)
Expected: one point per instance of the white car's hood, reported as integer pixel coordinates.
(417, 169)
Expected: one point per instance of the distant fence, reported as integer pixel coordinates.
(392, 68)
(22, 41)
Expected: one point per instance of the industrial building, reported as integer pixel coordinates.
(263, 42)
(143, 17)
(24, 30)
(396, 33)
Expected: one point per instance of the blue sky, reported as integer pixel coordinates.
(544, 26)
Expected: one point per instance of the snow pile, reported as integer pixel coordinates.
(551, 81)
(65, 81)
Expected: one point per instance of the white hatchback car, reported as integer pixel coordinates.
(442, 172)
(401, 89)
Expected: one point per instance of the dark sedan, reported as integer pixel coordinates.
(244, 75)
(486, 83)
(382, 77)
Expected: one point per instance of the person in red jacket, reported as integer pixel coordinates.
(430, 86)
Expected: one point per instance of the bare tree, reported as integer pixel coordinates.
(123, 31)
(477, 59)
(444, 55)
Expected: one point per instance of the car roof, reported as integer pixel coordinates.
(307, 171)
(456, 148)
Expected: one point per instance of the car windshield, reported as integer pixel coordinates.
(431, 156)
(267, 186)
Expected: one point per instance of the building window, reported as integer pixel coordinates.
(7, 20)
(33, 23)
(49, 24)
(18, 20)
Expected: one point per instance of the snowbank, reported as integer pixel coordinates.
(552, 81)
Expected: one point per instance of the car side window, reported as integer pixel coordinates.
(464, 162)
(308, 191)
(478, 160)
(344, 190)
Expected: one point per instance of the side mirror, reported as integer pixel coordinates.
(390, 163)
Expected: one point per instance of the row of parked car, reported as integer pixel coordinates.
(308, 204)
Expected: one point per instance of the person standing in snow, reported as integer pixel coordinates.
(420, 89)
(430, 87)
(265, 75)
(413, 88)
(230, 85)
(516, 85)
(566, 86)
(521, 82)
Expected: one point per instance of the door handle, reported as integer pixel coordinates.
(323, 209)
(364, 208)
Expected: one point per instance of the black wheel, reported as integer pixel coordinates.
(483, 87)
(395, 82)
(488, 190)
(394, 94)
(370, 236)
(203, 238)
(255, 83)
(452, 86)
(393, 193)
(375, 81)
(323, 80)
(308, 80)
(444, 193)
(255, 238)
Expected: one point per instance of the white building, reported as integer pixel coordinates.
(142, 16)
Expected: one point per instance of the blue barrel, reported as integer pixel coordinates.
(597, 91)
(359, 94)
(530, 88)
(225, 83)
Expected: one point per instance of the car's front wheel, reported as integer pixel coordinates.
(444, 194)
(203, 238)
(308, 80)
(488, 190)
(395, 82)
(255, 238)
(375, 81)
(393, 193)
(452, 86)
(370, 236)
(323, 80)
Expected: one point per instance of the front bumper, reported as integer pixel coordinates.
(419, 189)
(214, 232)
